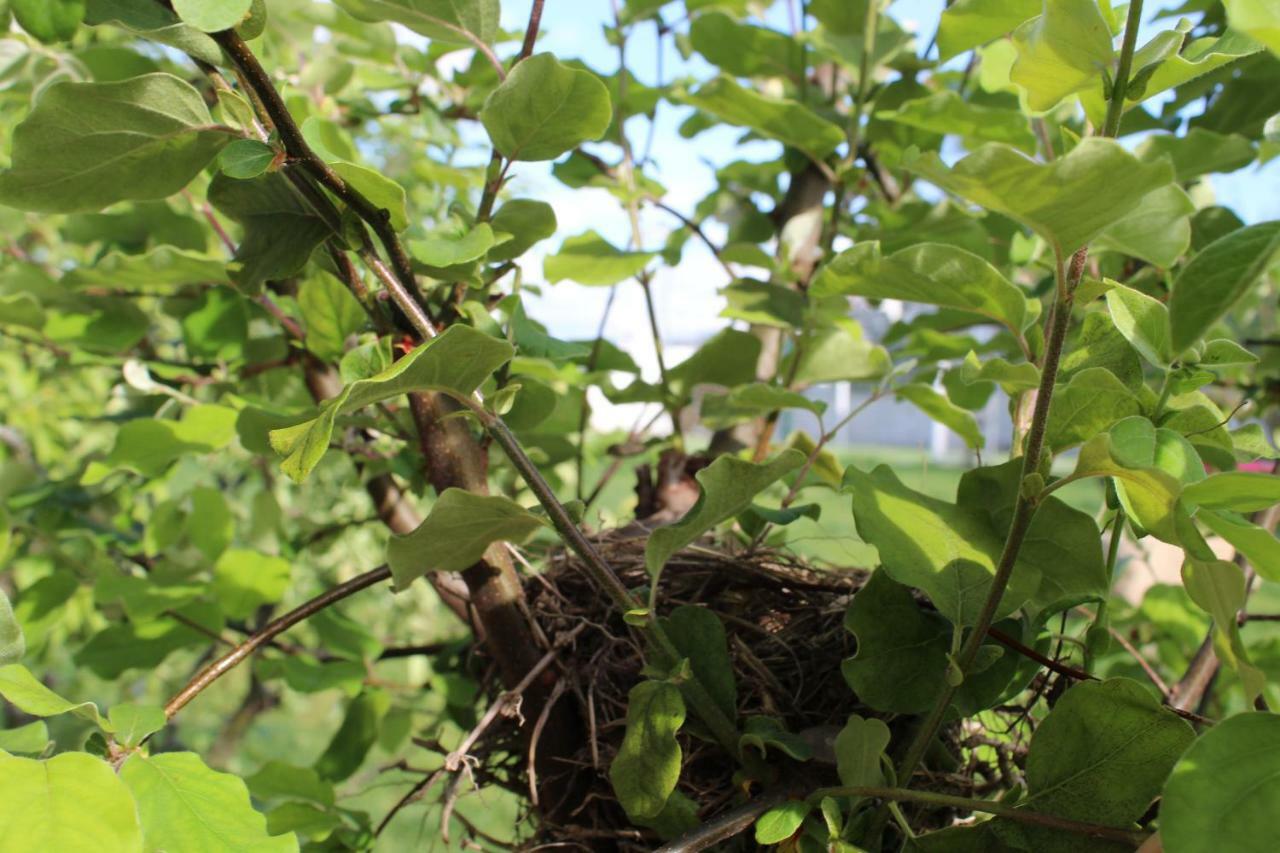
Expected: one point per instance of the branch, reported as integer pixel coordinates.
(379, 219)
(530, 32)
(229, 661)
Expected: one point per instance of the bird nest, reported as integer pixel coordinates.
(786, 638)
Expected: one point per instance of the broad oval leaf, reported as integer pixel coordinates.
(544, 109)
(1217, 277)
(645, 771)
(591, 260)
(141, 138)
(947, 550)
(72, 801)
(1061, 51)
(453, 21)
(456, 362)
(22, 690)
(12, 643)
(1101, 755)
(1058, 200)
(789, 122)
(727, 488)
(1224, 791)
(456, 533)
(49, 20)
(212, 16)
(930, 273)
(1240, 491)
(186, 805)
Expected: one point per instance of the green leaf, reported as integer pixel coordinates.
(1219, 588)
(1058, 200)
(1199, 152)
(355, 737)
(141, 138)
(1224, 790)
(21, 689)
(1218, 277)
(49, 20)
(447, 250)
(645, 771)
(277, 782)
(789, 122)
(441, 20)
(527, 221)
(1259, 545)
(532, 340)
(699, 637)
(214, 525)
(544, 109)
(185, 805)
(72, 801)
(1223, 351)
(942, 410)
(1241, 491)
(968, 24)
(149, 445)
(1060, 52)
(162, 270)
(1062, 544)
(212, 16)
(591, 260)
(930, 273)
(765, 732)
(330, 314)
(135, 723)
(946, 112)
(756, 400)
(1157, 231)
(1196, 59)
(154, 22)
(456, 362)
(1257, 20)
(1088, 404)
(947, 550)
(1011, 377)
(12, 644)
(744, 50)
(860, 748)
(456, 533)
(727, 487)
(245, 580)
(280, 230)
(1101, 755)
(31, 739)
(903, 651)
(1143, 321)
(764, 304)
(1149, 494)
(841, 354)
(782, 821)
(246, 158)
(382, 192)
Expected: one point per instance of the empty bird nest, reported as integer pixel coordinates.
(784, 626)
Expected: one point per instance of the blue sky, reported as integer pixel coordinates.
(686, 295)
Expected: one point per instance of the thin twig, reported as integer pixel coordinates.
(229, 661)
